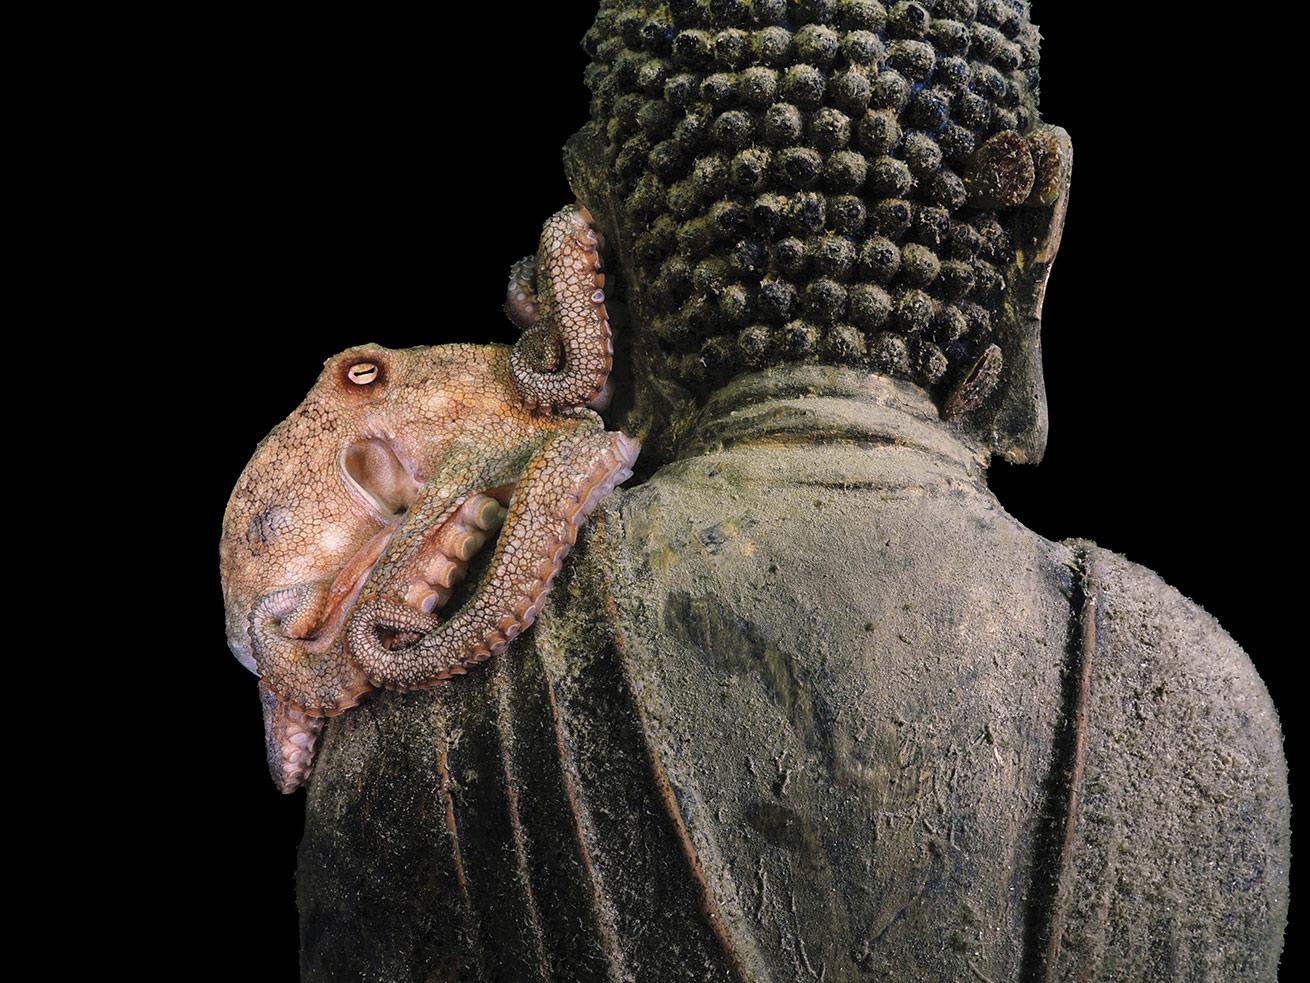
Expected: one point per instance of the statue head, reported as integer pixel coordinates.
(831, 181)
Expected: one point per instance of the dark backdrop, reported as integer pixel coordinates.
(334, 181)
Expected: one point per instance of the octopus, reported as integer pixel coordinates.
(350, 533)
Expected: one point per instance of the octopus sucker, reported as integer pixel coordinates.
(426, 597)
(486, 513)
(444, 562)
(521, 297)
(407, 521)
(291, 738)
(442, 571)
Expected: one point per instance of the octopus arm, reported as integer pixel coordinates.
(306, 672)
(571, 473)
(565, 357)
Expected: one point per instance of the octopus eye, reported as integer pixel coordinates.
(362, 373)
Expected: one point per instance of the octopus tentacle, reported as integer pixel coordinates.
(571, 298)
(297, 631)
(310, 673)
(521, 304)
(290, 739)
(562, 484)
(451, 498)
(433, 574)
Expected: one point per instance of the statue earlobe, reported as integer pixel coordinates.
(1019, 424)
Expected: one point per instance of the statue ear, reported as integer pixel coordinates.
(1018, 422)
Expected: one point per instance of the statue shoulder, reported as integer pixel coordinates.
(1152, 634)
(1181, 817)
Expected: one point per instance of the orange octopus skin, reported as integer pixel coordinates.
(356, 518)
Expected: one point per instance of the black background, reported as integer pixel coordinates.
(325, 182)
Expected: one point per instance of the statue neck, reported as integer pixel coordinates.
(820, 405)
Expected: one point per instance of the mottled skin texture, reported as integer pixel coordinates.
(563, 360)
(353, 524)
